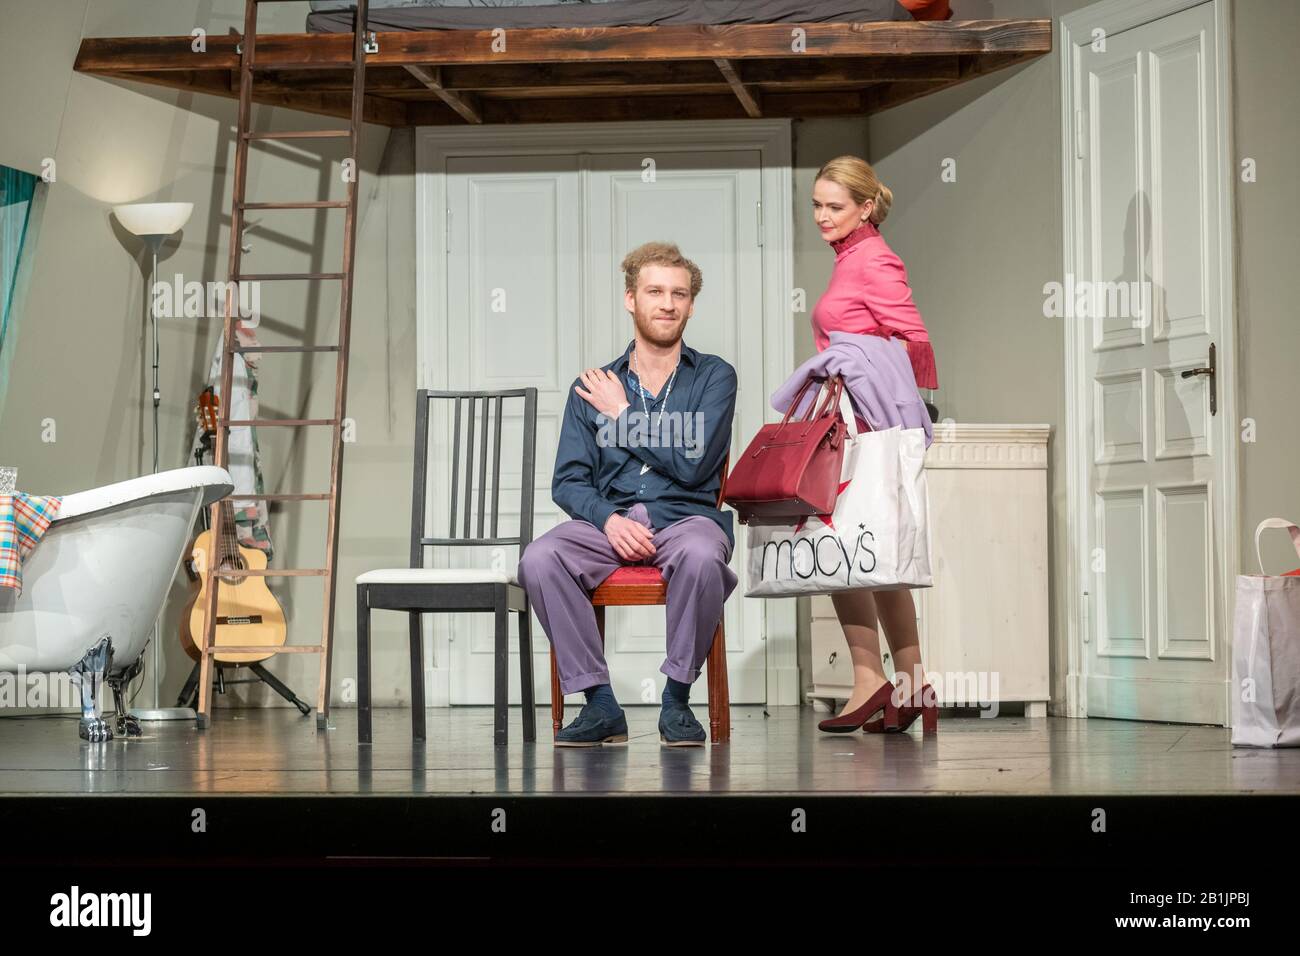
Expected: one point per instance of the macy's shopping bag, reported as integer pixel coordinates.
(1266, 653)
(877, 537)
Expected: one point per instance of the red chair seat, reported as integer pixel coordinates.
(634, 574)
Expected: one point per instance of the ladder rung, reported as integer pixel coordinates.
(285, 348)
(259, 649)
(314, 204)
(255, 422)
(272, 573)
(300, 134)
(315, 496)
(278, 276)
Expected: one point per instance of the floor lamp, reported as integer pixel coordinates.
(153, 222)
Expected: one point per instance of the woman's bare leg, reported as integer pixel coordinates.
(898, 617)
(857, 613)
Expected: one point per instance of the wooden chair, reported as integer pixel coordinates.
(643, 585)
(419, 590)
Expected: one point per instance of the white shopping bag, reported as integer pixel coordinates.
(878, 536)
(1266, 654)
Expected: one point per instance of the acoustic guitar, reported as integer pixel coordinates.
(247, 611)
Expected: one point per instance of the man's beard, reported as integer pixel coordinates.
(657, 334)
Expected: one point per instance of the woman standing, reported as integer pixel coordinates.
(869, 295)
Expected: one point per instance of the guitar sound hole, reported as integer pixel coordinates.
(233, 564)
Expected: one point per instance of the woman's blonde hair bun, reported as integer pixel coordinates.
(856, 175)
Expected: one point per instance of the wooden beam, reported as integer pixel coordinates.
(598, 92)
(592, 45)
(383, 82)
(376, 109)
(691, 42)
(746, 98)
(972, 65)
(608, 79)
(608, 73)
(763, 74)
(619, 108)
(771, 74)
(884, 96)
(462, 103)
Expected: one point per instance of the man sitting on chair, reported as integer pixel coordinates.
(637, 470)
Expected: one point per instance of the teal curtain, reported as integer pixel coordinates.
(16, 191)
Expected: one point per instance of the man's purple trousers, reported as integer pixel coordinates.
(560, 569)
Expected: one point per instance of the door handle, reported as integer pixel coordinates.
(1209, 370)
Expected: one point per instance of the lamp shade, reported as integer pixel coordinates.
(154, 218)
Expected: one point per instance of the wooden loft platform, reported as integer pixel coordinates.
(453, 77)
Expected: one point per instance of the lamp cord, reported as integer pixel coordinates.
(153, 315)
(151, 304)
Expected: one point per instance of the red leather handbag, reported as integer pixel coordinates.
(792, 469)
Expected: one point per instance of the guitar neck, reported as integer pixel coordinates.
(228, 545)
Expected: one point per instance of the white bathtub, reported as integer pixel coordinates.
(103, 570)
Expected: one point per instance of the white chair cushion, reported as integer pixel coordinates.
(436, 576)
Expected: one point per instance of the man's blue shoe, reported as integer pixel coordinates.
(591, 728)
(679, 728)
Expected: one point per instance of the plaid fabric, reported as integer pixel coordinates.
(24, 519)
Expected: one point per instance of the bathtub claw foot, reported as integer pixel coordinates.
(94, 729)
(90, 673)
(127, 725)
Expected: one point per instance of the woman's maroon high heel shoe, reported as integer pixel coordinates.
(924, 704)
(883, 699)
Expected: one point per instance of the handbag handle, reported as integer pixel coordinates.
(831, 395)
(1275, 523)
(797, 399)
(828, 401)
(848, 415)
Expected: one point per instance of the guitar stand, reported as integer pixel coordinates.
(189, 695)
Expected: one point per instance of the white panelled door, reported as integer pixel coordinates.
(535, 295)
(1149, 234)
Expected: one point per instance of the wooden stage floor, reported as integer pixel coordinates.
(264, 787)
(278, 752)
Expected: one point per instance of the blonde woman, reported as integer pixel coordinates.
(868, 294)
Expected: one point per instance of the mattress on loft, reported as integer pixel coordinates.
(610, 13)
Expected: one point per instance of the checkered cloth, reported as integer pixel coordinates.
(24, 519)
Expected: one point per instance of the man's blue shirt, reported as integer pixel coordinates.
(599, 459)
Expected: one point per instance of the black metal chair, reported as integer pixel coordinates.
(419, 590)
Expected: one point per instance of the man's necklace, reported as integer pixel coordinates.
(646, 408)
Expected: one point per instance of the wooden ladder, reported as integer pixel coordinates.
(248, 65)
